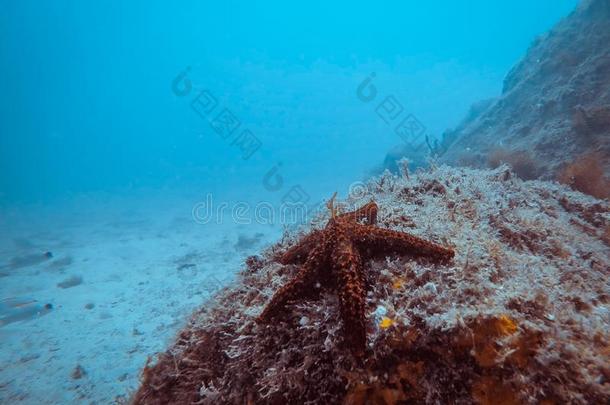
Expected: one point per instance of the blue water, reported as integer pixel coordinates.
(86, 100)
(118, 118)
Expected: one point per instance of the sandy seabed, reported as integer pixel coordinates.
(123, 277)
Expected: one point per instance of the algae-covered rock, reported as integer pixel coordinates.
(555, 105)
(520, 315)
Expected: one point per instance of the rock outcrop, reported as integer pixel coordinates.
(554, 110)
(519, 316)
(555, 105)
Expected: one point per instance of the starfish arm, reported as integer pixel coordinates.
(368, 212)
(349, 273)
(289, 292)
(301, 286)
(381, 242)
(335, 257)
(299, 252)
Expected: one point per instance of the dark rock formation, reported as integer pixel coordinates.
(555, 105)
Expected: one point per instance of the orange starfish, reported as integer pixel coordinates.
(334, 257)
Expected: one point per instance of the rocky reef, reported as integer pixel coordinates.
(555, 105)
(520, 314)
(554, 109)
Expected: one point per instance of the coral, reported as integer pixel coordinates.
(586, 175)
(521, 162)
(335, 257)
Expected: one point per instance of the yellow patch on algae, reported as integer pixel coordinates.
(398, 283)
(506, 326)
(483, 338)
(386, 322)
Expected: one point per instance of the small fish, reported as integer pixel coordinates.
(28, 260)
(15, 310)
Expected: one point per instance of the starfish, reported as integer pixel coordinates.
(335, 256)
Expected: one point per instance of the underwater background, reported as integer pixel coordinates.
(87, 102)
(132, 132)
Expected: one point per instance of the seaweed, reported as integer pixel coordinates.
(586, 175)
